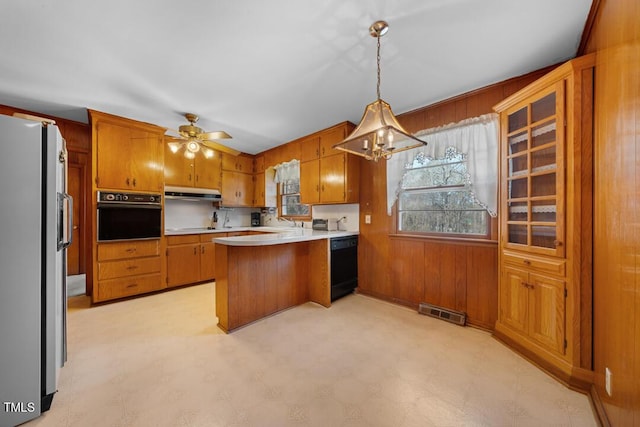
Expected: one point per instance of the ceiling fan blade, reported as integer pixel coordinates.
(220, 147)
(220, 134)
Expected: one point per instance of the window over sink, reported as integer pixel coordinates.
(288, 178)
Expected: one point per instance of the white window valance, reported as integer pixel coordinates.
(476, 137)
(287, 171)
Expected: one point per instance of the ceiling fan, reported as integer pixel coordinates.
(193, 139)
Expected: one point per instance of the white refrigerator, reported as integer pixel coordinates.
(35, 230)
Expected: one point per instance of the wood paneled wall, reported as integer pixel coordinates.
(615, 37)
(450, 273)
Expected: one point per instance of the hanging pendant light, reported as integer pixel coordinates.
(379, 134)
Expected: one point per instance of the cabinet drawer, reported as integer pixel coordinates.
(555, 266)
(129, 267)
(130, 249)
(182, 240)
(124, 287)
(208, 237)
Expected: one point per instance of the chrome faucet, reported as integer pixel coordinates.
(293, 221)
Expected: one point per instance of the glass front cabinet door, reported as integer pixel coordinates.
(533, 173)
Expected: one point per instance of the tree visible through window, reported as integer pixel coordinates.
(435, 197)
(290, 199)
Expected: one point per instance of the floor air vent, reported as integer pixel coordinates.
(442, 313)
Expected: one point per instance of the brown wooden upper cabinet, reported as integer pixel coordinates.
(328, 175)
(200, 172)
(129, 154)
(237, 180)
(310, 148)
(242, 164)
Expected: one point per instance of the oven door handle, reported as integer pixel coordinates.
(124, 205)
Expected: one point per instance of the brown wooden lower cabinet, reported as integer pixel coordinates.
(191, 258)
(127, 268)
(457, 275)
(253, 282)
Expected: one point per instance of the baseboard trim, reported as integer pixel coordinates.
(598, 406)
(577, 379)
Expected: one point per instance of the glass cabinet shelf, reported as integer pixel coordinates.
(532, 175)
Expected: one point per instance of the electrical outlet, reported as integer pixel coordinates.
(367, 219)
(607, 380)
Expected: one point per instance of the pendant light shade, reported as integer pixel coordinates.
(379, 134)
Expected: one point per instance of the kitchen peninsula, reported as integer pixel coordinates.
(262, 274)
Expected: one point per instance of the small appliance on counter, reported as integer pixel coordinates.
(214, 221)
(255, 219)
(325, 224)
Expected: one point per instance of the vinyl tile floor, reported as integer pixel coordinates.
(160, 360)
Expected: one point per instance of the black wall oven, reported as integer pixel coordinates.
(129, 216)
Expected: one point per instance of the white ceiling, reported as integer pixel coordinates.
(270, 71)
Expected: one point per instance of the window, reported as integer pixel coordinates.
(287, 177)
(289, 199)
(435, 197)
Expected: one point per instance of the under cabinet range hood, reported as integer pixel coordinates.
(191, 193)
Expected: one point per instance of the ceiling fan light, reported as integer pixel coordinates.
(208, 153)
(193, 146)
(174, 147)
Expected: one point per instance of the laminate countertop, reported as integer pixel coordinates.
(281, 237)
(267, 236)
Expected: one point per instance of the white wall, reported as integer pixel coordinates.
(350, 211)
(198, 214)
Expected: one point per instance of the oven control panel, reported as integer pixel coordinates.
(106, 196)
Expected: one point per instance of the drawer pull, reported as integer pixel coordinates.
(133, 285)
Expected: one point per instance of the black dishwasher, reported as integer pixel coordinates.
(344, 266)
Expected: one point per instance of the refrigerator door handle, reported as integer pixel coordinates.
(65, 233)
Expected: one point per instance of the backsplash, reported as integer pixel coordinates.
(197, 214)
(351, 212)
